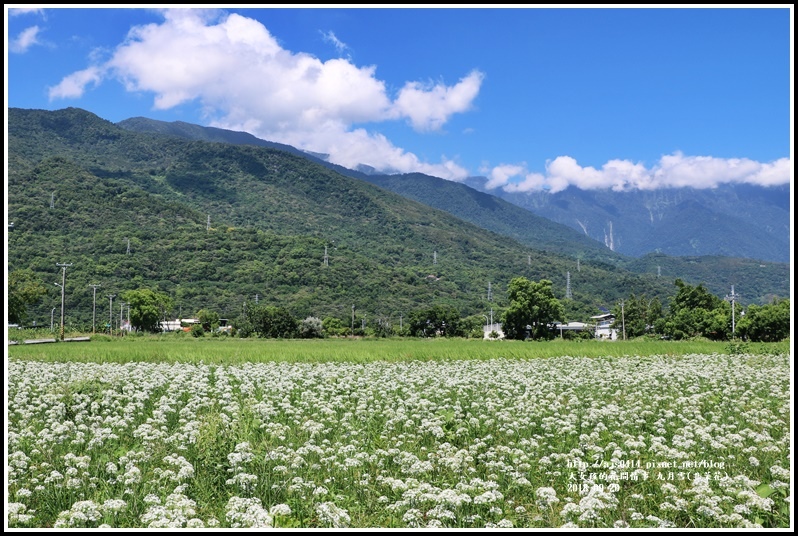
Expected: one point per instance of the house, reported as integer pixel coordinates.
(572, 326)
(603, 329)
(177, 325)
(487, 329)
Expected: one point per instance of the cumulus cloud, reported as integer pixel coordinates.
(26, 39)
(429, 106)
(74, 85)
(244, 80)
(672, 171)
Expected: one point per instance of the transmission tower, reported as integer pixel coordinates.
(208, 225)
(490, 292)
(326, 258)
(128, 247)
(52, 200)
(659, 271)
(435, 257)
(568, 285)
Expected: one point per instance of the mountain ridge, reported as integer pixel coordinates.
(215, 224)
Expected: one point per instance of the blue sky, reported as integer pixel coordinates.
(530, 98)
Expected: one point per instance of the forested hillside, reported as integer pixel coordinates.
(215, 226)
(711, 225)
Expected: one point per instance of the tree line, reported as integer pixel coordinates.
(533, 313)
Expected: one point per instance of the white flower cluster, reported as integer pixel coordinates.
(503, 442)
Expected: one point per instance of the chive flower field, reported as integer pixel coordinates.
(699, 440)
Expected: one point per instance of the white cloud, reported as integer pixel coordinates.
(339, 45)
(501, 175)
(244, 80)
(74, 85)
(16, 11)
(429, 106)
(26, 39)
(672, 171)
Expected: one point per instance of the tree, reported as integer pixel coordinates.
(443, 320)
(766, 323)
(638, 316)
(310, 328)
(208, 319)
(272, 322)
(532, 304)
(147, 307)
(24, 289)
(333, 326)
(242, 327)
(695, 312)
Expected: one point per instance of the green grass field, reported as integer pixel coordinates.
(171, 349)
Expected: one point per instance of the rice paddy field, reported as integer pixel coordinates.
(161, 433)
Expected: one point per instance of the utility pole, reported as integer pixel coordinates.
(121, 310)
(353, 321)
(93, 306)
(63, 285)
(111, 313)
(732, 298)
(52, 314)
(623, 321)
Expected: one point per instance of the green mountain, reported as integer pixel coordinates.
(484, 210)
(680, 222)
(214, 225)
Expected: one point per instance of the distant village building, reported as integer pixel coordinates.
(496, 328)
(603, 329)
(178, 325)
(572, 326)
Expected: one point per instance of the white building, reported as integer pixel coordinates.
(487, 329)
(603, 329)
